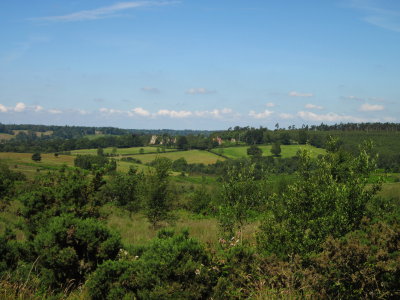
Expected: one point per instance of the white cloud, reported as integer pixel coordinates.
(82, 112)
(174, 113)
(3, 108)
(270, 104)
(286, 116)
(38, 108)
(353, 98)
(141, 112)
(297, 94)
(313, 106)
(371, 107)
(150, 89)
(103, 12)
(20, 107)
(329, 117)
(215, 113)
(265, 114)
(199, 91)
(54, 111)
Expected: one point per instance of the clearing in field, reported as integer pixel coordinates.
(287, 151)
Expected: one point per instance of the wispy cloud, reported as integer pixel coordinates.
(378, 13)
(371, 107)
(199, 91)
(103, 12)
(329, 117)
(297, 94)
(313, 106)
(54, 111)
(174, 113)
(262, 115)
(355, 98)
(149, 89)
(215, 113)
(286, 116)
(270, 104)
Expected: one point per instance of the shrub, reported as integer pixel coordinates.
(174, 266)
(70, 248)
(330, 199)
(10, 252)
(364, 264)
(124, 190)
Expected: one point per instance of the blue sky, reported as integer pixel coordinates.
(199, 64)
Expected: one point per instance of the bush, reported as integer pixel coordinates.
(364, 264)
(10, 252)
(70, 248)
(91, 162)
(330, 199)
(55, 193)
(124, 190)
(174, 266)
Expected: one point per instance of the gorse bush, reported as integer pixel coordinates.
(173, 266)
(66, 191)
(10, 252)
(68, 249)
(363, 264)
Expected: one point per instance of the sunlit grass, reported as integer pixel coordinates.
(287, 151)
(136, 230)
(120, 151)
(191, 156)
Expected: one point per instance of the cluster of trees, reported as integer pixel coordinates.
(62, 145)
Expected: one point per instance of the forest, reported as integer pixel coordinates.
(244, 213)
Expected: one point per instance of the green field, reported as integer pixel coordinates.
(6, 136)
(191, 156)
(23, 162)
(287, 151)
(120, 151)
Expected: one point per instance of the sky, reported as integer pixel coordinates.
(199, 64)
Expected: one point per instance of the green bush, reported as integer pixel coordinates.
(70, 248)
(174, 266)
(364, 264)
(49, 195)
(124, 190)
(329, 199)
(10, 252)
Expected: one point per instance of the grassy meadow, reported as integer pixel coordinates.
(191, 156)
(287, 151)
(120, 151)
(23, 162)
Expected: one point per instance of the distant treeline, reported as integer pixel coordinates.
(68, 132)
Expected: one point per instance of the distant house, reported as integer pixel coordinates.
(218, 140)
(153, 140)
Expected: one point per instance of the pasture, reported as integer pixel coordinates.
(287, 151)
(121, 151)
(23, 162)
(191, 156)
